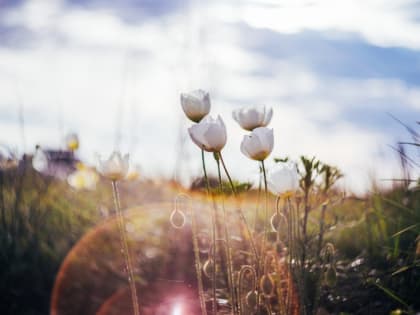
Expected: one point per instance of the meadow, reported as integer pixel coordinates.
(219, 246)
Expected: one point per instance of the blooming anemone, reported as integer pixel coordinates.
(196, 104)
(209, 134)
(283, 179)
(115, 167)
(253, 117)
(259, 144)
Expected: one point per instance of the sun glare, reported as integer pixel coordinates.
(177, 310)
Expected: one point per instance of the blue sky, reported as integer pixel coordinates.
(331, 70)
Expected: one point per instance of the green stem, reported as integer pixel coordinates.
(228, 246)
(300, 268)
(278, 217)
(197, 262)
(258, 202)
(265, 224)
(266, 209)
(303, 272)
(126, 253)
(321, 231)
(227, 174)
(214, 305)
(240, 213)
(304, 227)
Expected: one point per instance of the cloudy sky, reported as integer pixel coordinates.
(112, 71)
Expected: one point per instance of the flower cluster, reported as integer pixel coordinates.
(210, 135)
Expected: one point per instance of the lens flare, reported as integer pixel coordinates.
(177, 310)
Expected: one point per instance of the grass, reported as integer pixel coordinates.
(375, 238)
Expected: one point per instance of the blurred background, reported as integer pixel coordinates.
(337, 74)
(84, 77)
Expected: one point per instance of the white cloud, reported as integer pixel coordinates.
(382, 23)
(100, 68)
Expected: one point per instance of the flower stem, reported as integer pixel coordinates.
(260, 262)
(228, 246)
(126, 253)
(278, 199)
(227, 174)
(266, 208)
(258, 201)
(214, 306)
(197, 263)
(240, 213)
(291, 253)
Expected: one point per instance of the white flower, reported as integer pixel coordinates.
(40, 161)
(72, 141)
(83, 178)
(283, 178)
(115, 168)
(209, 134)
(259, 144)
(253, 117)
(195, 104)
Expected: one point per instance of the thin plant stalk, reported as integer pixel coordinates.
(304, 226)
(265, 236)
(245, 269)
(228, 245)
(197, 263)
(280, 274)
(16, 215)
(213, 285)
(126, 253)
(241, 214)
(321, 230)
(283, 304)
(319, 249)
(304, 240)
(260, 262)
(291, 253)
(278, 199)
(300, 265)
(295, 227)
(258, 202)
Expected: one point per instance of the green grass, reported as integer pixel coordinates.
(43, 218)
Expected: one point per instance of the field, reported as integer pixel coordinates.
(61, 250)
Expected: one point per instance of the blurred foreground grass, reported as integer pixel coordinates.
(42, 218)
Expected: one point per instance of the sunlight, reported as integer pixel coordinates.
(177, 310)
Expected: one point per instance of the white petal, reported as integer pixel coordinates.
(40, 161)
(253, 117)
(197, 134)
(283, 178)
(215, 137)
(267, 116)
(251, 147)
(196, 104)
(244, 148)
(115, 168)
(266, 138)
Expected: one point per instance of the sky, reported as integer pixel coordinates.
(334, 72)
